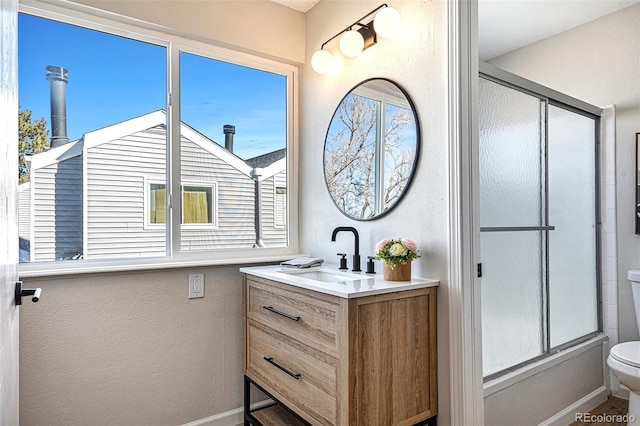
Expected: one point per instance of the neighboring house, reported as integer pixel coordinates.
(54, 216)
(103, 196)
(24, 198)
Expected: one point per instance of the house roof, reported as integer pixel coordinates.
(55, 155)
(273, 162)
(267, 159)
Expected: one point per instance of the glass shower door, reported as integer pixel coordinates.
(538, 226)
(511, 220)
(573, 290)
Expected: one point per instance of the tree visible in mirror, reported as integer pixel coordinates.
(400, 151)
(349, 156)
(365, 173)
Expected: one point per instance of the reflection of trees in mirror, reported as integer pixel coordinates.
(354, 155)
(350, 154)
(400, 150)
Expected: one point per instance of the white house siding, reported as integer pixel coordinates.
(117, 171)
(116, 176)
(272, 235)
(24, 210)
(57, 209)
(235, 209)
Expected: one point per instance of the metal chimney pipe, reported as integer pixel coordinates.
(58, 78)
(229, 130)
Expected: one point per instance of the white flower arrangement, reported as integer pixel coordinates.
(395, 252)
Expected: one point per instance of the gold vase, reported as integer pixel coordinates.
(402, 272)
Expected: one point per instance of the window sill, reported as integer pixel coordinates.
(110, 266)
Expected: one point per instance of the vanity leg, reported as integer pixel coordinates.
(247, 400)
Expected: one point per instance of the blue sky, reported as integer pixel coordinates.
(113, 79)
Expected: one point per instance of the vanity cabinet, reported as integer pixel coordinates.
(368, 360)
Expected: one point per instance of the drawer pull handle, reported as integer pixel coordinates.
(284, 314)
(272, 362)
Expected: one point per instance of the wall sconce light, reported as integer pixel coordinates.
(358, 36)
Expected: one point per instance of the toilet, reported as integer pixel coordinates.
(624, 358)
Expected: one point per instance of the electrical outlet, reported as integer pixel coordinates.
(196, 285)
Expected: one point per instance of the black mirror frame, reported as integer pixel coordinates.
(414, 166)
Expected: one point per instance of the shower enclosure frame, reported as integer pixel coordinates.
(549, 97)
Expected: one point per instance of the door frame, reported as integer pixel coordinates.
(465, 334)
(9, 350)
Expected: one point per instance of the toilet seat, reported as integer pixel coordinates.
(627, 353)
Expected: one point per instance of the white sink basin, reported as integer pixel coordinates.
(328, 279)
(325, 275)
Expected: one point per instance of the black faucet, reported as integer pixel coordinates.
(356, 256)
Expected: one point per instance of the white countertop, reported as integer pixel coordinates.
(345, 284)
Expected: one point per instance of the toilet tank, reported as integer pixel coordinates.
(634, 276)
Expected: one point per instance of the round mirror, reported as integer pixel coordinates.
(371, 149)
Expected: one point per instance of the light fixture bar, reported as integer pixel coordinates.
(368, 26)
(358, 36)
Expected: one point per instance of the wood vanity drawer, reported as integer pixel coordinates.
(310, 320)
(305, 377)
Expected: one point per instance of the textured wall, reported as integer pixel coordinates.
(130, 348)
(416, 59)
(263, 27)
(598, 63)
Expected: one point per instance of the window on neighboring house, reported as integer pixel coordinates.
(157, 203)
(107, 167)
(198, 205)
(281, 206)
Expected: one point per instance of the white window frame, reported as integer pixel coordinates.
(94, 19)
(252, 61)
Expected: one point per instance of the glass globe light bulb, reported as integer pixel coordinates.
(387, 22)
(351, 43)
(322, 61)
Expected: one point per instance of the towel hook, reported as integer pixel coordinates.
(20, 292)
